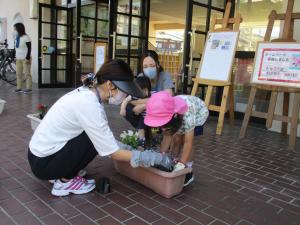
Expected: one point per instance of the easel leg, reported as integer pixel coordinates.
(231, 106)
(222, 110)
(195, 88)
(208, 95)
(271, 109)
(294, 122)
(285, 112)
(248, 112)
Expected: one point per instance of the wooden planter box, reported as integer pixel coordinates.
(2, 103)
(34, 120)
(164, 183)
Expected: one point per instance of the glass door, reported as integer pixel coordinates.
(129, 31)
(92, 26)
(198, 18)
(55, 47)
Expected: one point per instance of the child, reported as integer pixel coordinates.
(135, 114)
(180, 119)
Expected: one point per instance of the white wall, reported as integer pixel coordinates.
(8, 8)
(277, 125)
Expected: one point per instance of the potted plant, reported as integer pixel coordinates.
(2, 103)
(36, 118)
(167, 184)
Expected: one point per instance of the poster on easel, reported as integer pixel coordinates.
(277, 64)
(218, 56)
(100, 55)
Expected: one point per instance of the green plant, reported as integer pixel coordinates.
(129, 138)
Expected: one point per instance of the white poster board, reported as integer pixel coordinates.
(99, 55)
(218, 56)
(277, 64)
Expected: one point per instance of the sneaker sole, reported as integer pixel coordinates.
(90, 181)
(61, 193)
(190, 181)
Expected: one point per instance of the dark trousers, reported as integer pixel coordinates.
(137, 121)
(67, 162)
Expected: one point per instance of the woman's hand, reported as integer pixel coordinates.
(28, 61)
(139, 101)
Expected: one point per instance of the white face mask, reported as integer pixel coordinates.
(117, 99)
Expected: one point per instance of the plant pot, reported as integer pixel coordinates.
(34, 120)
(163, 183)
(2, 103)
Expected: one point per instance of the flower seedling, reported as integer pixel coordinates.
(42, 110)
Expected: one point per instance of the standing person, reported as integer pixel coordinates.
(160, 80)
(75, 130)
(23, 58)
(180, 118)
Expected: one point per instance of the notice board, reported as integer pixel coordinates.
(100, 55)
(217, 59)
(277, 64)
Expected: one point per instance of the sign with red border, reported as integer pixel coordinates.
(277, 64)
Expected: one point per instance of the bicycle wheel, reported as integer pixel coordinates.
(9, 72)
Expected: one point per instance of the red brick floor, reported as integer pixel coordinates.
(250, 181)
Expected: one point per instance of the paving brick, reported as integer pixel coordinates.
(277, 195)
(64, 209)
(39, 208)
(171, 202)
(79, 220)
(4, 219)
(221, 215)
(26, 218)
(170, 214)
(135, 221)
(23, 195)
(120, 200)
(117, 212)
(190, 222)
(91, 211)
(144, 200)
(286, 206)
(54, 219)
(255, 194)
(249, 185)
(163, 222)
(196, 215)
(12, 206)
(108, 221)
(144, 213)
(192, 202)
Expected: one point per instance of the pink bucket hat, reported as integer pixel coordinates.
(161, 107)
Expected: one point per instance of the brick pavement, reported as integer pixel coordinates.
(242, 182)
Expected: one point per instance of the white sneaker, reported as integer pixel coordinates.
(77, 185)
(81, 173)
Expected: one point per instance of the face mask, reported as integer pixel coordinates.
(117, 99)
(150, 72)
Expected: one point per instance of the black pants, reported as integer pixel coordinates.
(137, 121)
(67, 162)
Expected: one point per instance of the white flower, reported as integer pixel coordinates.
(123, 135)
(130, 133)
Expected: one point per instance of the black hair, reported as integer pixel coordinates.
(154, 56)
(144, 83)
(114, 70)
(20, 28)
(174, 124)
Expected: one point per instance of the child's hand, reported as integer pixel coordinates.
(179, 166)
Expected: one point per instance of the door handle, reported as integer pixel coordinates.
(79, 38)
(192, 47)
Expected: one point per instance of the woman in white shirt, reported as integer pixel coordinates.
(23, 58)
(75, 130)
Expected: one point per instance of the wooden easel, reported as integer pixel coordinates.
(228, 24)
(287, 36)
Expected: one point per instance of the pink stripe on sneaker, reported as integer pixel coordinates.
(74, 182)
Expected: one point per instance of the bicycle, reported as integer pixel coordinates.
(7, 65)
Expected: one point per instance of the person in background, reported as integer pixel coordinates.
(180, 118)
(23, 58)
(135, 114)
(159, 81)
(75, 130)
